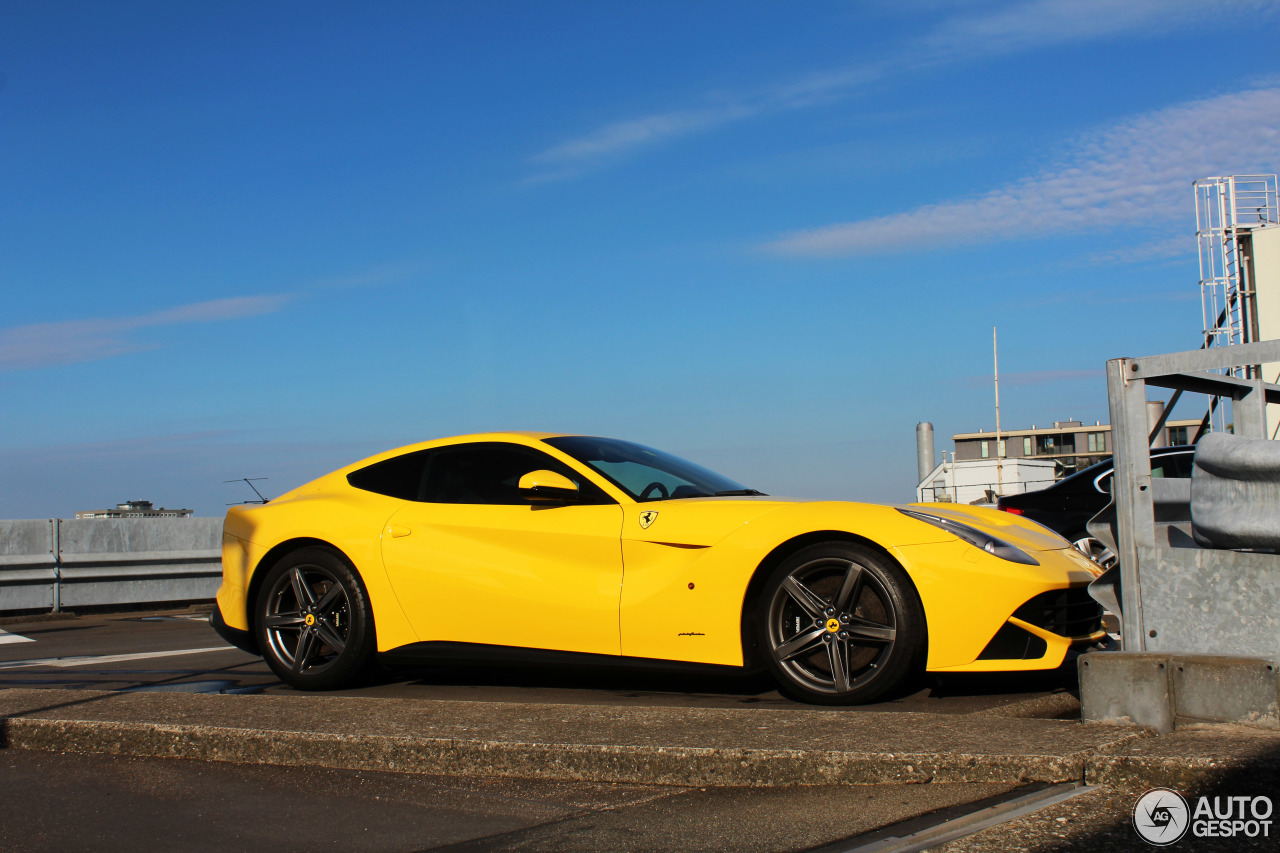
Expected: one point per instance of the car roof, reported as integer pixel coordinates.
(1083, 479)
(525, 437)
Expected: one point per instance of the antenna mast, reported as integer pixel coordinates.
(995, 357)
(249, 481)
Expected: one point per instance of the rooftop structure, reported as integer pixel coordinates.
(1228, 212)
(977, 481)
(135, 509)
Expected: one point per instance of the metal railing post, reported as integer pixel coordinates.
(1131, 486)
(1249, 412)
(56, 524)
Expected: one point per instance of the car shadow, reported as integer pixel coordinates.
(717, 687)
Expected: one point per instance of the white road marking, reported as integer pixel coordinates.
(87, 660)
(6, 637)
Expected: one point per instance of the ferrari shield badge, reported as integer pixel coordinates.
(649, 516)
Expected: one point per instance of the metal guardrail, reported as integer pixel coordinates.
(1176, 596)
(54, 564)
(1200, 629)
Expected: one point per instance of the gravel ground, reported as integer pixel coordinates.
(1097, 821)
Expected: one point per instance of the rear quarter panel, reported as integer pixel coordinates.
(329, 511)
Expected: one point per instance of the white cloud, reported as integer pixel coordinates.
(372, 276)
(622, 135)
(74, 341)
(1136, 173)
(1020, 26)
(1011, 28)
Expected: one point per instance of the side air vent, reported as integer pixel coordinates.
(1013, 643)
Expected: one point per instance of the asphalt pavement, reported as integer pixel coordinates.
(95, 709)
(112, 803)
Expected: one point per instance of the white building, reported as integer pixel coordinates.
(981, 480)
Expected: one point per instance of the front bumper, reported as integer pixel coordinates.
(1042, 632)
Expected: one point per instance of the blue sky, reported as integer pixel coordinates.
(268, 239)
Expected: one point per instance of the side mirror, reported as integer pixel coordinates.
(548, 487)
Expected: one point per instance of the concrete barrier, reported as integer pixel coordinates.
(59, 563)
(28, 565)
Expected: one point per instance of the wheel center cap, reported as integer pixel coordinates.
(311, 619)
(833, 625)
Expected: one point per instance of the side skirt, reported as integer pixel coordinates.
(471, 654)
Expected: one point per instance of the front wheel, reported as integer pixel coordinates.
(314, 621)
(841, 625)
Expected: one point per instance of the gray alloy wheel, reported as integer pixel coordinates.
(315, 625)
(1095, 550)
(842, 625)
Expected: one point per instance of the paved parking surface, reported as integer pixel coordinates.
(177, 650)
(55, 801)
(129, 804)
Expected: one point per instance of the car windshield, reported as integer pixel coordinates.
(644, 473)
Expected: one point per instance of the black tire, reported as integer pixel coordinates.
(313, 620)
(840, 624)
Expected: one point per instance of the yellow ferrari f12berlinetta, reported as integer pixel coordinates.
(523, 546)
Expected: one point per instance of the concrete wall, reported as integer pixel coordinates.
(58, 563)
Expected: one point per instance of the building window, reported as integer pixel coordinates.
(1178, 435)
(1097, 442)
(1003, 450)
(1026, 446)
(986, 450)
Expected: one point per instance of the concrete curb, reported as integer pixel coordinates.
(684, 766)
(1141, 773)
(1192, 761)
(700, 747)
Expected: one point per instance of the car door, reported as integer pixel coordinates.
(474, 561)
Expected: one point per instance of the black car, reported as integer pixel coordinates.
(1067, 505)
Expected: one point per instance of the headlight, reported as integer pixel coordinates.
(976, 538)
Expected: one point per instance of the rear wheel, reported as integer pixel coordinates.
(841, 625)
(314, 622)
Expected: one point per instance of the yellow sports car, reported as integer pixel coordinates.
(566, 547)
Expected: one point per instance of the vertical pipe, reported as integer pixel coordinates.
(1155, 417)
(924, 450)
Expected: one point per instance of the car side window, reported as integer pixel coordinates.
(398, 477)
(1175, 465)
(490, 472)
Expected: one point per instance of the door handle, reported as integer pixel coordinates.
(398, 530)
